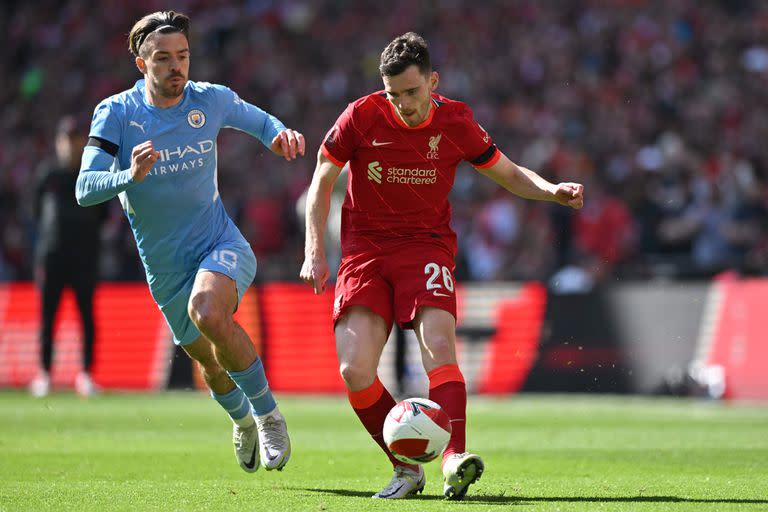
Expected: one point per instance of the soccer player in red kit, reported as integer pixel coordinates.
(403, 145)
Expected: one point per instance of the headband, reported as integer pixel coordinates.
(161, 28)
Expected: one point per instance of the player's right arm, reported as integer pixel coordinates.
(97, 182)
(315, 271)
(337, 148)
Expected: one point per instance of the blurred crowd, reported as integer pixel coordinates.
(659, 107)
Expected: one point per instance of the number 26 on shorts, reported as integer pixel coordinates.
(435, 271)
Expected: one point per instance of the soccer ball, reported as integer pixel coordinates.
(417, 430)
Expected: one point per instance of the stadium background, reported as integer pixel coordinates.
(658, 107)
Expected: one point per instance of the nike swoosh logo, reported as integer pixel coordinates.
(377, 143)
(393, 492)
(251, 463)
(438, 294)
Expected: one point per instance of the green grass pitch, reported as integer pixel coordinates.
(172, 451)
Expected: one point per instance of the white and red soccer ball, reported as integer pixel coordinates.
(417, 430)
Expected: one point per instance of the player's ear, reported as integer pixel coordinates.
(434, 80)
(142, 65)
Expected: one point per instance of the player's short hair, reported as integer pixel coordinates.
(405, 50)
(163, 22)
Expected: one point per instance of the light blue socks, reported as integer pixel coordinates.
(253, 382)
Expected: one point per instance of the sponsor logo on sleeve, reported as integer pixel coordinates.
(330, 139)
(486, 137)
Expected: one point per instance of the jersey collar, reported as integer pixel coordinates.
(433, 106)
(141, 84)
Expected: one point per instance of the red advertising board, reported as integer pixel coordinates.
(132, 339)
(738, 342)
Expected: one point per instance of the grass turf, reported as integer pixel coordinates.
(172, 451)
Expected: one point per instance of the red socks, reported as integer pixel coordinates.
(447, 388)
(372, 405)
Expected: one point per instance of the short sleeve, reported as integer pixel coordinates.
(342, 139)
(478, 147)
(106, 124)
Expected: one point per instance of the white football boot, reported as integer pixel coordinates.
(40, 386)
(84, 385)
(405, 482)
(275, 444)
(460, 470)
(246, 441)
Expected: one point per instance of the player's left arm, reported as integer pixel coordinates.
(288, 143)
(244, 116)
(529, 185)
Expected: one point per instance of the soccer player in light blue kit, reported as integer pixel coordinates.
(155, 146)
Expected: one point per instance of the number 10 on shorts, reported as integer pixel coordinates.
(434, 271)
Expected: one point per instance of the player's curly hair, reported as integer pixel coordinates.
(405, 50)
(163, 22)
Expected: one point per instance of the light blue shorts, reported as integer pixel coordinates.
(172, 290)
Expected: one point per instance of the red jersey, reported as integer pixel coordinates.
(400, 176)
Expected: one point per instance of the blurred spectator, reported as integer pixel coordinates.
(722, 220)
(67, 250)
(603, 233)
(650, 100)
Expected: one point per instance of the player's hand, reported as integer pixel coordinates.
(143, 157)
(570, 194)
(288, 144)
(315, 272)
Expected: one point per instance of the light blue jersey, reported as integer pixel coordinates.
(175, 213)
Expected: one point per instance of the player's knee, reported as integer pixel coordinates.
(441, 349)
(356, 376)
(205, 315)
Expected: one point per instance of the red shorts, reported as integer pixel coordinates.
(395, 283)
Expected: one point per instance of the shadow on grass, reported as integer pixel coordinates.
(512, 500)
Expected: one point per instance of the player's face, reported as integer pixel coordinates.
(166, 64)
(410, 93)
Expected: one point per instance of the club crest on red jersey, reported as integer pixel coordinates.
(433, 146)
